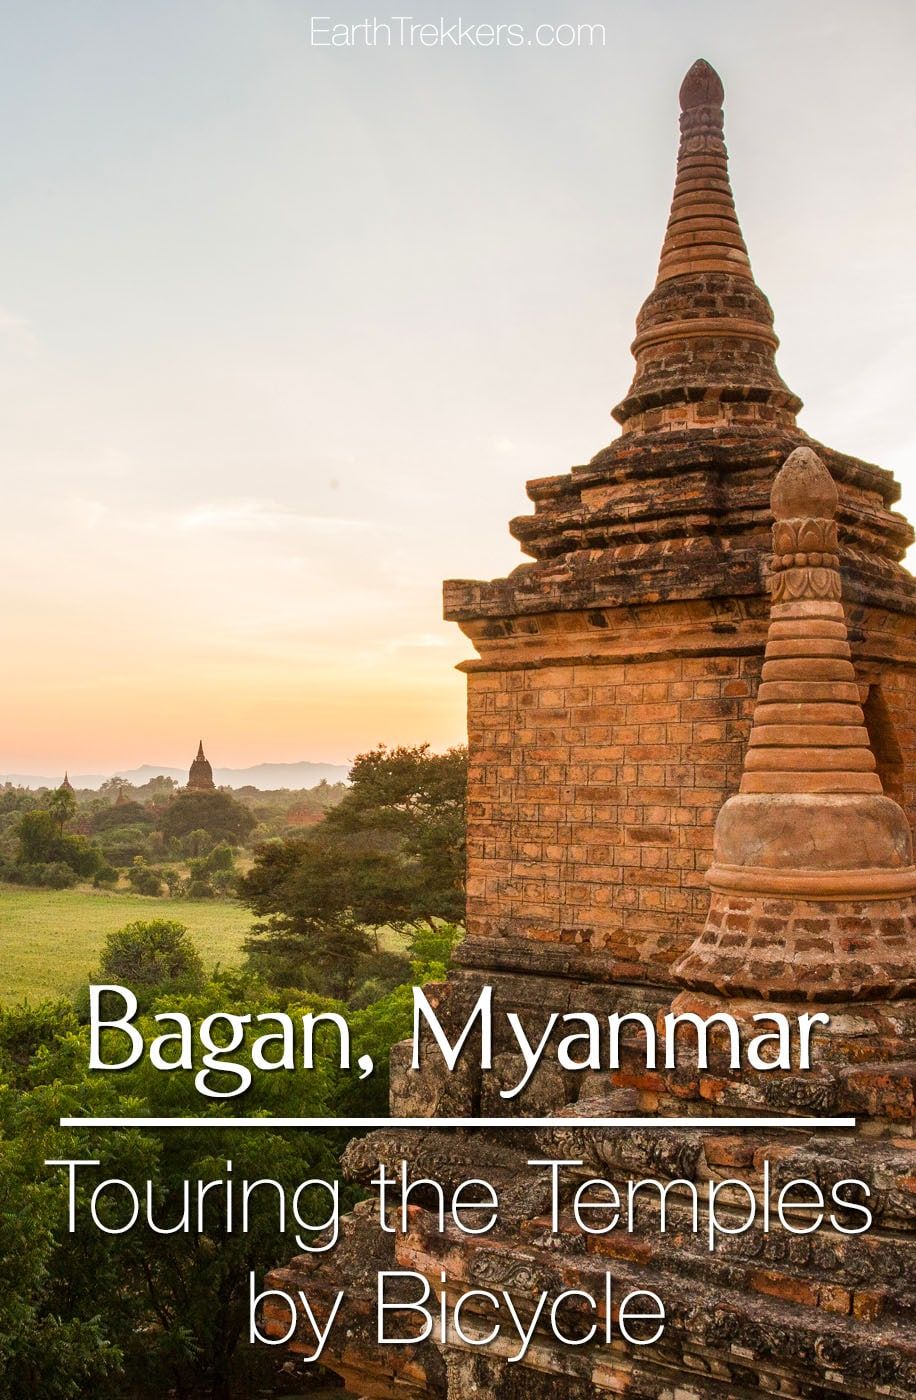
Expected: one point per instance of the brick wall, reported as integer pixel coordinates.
(593, 794)
(893, 733)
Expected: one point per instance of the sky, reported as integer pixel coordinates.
(285, 328)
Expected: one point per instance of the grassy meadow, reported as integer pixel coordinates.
(50, 939)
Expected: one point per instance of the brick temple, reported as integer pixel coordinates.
(200, 774)
(692, 731)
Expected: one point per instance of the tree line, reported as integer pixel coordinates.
(350, 914)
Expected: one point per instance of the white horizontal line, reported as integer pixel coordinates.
(365, 1123)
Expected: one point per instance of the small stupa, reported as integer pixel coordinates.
(813, 882)
(200, 777)
(66, 785)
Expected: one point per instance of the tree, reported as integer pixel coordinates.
(141, 1314)
(222, 857)
(418, 800)
(16, 799)
(41, 843)
(50, 1345)
(197, 843)
(161, 786)
(111, 787)
(129, 813)
(217, 813)
(62, 805)
(38, 835)
(310, 935)
(390, 853)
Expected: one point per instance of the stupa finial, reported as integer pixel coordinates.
(803, 488)
(703, 231)
(702, 87)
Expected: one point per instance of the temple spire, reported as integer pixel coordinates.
(703, 233)
(705, 343)
(200, 778)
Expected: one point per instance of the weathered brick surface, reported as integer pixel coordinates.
(594, 790)
(592, 796)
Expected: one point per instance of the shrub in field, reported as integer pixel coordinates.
(145, 879)
(200, 889)
(151, 954)
(55, 875)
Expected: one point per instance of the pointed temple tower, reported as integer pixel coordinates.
(692, 734)
(200, 777)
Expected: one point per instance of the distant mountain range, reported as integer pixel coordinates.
(263, 775)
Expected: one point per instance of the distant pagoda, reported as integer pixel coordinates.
(200, 778)
(66, 785)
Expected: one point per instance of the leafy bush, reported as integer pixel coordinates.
(199, 889)
(221, 858)
(58, 875)
(377, 974)
(139, 1315)
(431, 951)
(145, 879)
(121, 815)
(124, 843)
(223, 882)
(55, 875)
(195, 843)
(151, 953)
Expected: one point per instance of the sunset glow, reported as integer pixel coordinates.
(284, 331)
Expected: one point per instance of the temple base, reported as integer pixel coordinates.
(797, 949)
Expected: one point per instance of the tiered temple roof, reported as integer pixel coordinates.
(678, 505)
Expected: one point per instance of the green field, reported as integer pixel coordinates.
(50, 939)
